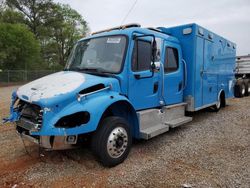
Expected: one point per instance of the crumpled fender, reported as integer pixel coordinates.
(14, 115)
(95, 104)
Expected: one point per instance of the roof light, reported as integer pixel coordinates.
(210, 36)
(187, 31)
(201, 31)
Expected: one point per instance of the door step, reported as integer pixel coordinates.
(153, 131)
(157, 121)
(177, 122)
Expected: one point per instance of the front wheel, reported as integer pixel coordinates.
(112, 141)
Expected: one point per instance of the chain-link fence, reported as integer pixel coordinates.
(8, 77)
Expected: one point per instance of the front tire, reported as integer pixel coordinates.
(112, 141)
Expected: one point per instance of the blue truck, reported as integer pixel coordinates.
(126, 83)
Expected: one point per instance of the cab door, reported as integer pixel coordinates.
(173, 74)
(144, 86)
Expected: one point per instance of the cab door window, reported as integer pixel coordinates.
(141, 59)
(171, 60)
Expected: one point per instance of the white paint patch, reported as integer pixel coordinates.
(51, 85)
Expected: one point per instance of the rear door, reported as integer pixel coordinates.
(173, 74)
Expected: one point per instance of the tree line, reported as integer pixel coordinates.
(38, 34)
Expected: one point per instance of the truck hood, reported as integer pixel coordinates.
(61, 86)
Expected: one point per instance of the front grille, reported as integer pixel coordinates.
(31, 115)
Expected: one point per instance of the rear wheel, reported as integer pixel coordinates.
(247, 85)
(239, 89)
(220, 103)
(243, 89)
(111, 143)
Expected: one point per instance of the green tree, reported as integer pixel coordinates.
(35, 12)
(65, 26)
(57, 27)
(18, 48)
(10, 16)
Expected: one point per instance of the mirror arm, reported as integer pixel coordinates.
(137, 59)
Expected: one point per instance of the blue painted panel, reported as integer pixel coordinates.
(209, 75)
(218, 54)
(198, 93)
(141, 91)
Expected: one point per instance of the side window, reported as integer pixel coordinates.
(143, 57)
(171, 60)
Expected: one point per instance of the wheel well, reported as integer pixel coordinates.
(125, 110)
(223, 98)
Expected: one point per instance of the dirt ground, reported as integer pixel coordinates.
(211, 151)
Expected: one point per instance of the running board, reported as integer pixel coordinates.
(154, 122)
(180, 121)
(153, 131)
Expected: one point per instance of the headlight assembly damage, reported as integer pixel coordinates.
(73, 120)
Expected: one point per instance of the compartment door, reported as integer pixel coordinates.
(209, 75)
(198, 89)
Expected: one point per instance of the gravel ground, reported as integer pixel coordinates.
(211, 151)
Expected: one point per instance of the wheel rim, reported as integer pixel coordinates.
(248, 88)
(218, 104)
(117, 142)
(243, 90)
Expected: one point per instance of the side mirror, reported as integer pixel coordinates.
(156, 66)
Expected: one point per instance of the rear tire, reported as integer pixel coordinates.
(220, 103)
(247, 85)
(239, 89)
(112, 141)
(243, 89)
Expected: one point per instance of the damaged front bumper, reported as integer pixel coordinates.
(27, 125)
(47, 142)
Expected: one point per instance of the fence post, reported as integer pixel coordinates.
(8, 76)
(23, 72)
(26, 75)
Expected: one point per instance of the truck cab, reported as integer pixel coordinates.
(122, 83)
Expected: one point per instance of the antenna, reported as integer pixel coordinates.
(124, 19)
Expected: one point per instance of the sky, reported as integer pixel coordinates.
(228, 18)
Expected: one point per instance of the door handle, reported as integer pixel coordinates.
(203, 72)
(156, 86)
(180, 86)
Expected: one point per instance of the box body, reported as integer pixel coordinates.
(210, 61)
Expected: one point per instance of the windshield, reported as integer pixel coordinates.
(103, 54)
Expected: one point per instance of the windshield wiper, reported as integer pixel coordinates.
(92, 70)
